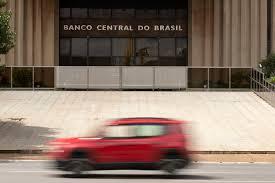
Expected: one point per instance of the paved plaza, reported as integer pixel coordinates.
(217, 121)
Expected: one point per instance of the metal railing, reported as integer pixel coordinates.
(262, 87)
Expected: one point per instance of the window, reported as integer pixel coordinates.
(22, 77)
(120, 131)
(197, 78)
(146, 13)
(134, 131)
(166, 47)
(146, 47)
(79, 13)
(65, 12)
(122, 47)
(99, 47)
(44, 77)
(181, 47)
(123, 13)
(240, 78)
(79, 51)
(5, 78)
(149, 130)
(166, 13)
(147, 61)
(219, 78)
(99, 13)
(65, 52)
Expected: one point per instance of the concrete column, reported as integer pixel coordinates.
(217, 32)
(208, 37)
(28, 30)
(263, 28)
(9, 58)
(226, 32)
(245, 33)
(254, 18)
(19, 24)
(235, 33)
(48, 7)
(37, 33)
(198, 35)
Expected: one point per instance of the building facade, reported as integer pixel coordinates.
(148, 45)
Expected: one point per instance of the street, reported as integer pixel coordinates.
(39, 172)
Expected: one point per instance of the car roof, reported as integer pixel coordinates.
(143, 120)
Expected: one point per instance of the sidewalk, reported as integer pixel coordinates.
(217, 121)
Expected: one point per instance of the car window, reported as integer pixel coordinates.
(119, 131)
(134, 131)
(149, 130)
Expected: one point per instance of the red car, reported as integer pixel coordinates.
(130, 143)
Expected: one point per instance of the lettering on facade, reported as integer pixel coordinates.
(127, 28)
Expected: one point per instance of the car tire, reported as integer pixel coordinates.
(171, 162)
(169, 166)
(79, 163)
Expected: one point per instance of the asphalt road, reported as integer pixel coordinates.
(39, 172)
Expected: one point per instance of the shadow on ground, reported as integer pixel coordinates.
(14, 135)
(133, 176)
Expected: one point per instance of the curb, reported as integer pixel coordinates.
(38, 151)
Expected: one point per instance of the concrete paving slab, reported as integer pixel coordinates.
(217, 121)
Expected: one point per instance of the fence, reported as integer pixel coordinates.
(261, 87)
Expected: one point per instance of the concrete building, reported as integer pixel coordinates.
(141, 44)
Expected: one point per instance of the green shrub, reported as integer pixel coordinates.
(268, 65)
(271, 80)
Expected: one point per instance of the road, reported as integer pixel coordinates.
(39, 172)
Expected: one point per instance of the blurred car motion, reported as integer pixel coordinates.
(130, 143)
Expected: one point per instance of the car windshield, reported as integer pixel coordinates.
(134, 131)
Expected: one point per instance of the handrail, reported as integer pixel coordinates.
(261, 87)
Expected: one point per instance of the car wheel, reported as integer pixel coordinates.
(79, 163)
(169, 165)
(77, 167)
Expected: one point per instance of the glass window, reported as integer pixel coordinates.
(166, 13)
(181, 13)
(197, 77)
(146, 47)
(146, 13)
(181, 47)
(122, 47)
(120, 131)
(172, 61)
(123, 13)
(123, 61)
(65, 47)
(100, 13)
(147, 61)
(99, 61)
(219, 78)
(22, 77)
(65, 12)
(79, 51)
(79, 12)
(44, 77)
(240, 78)
(149, 130)
(5, 77)
(99, 47)
(166, 47)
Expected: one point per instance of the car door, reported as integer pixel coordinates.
(146, 145)
(117, 145)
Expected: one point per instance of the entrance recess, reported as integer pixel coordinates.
(122, 45)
